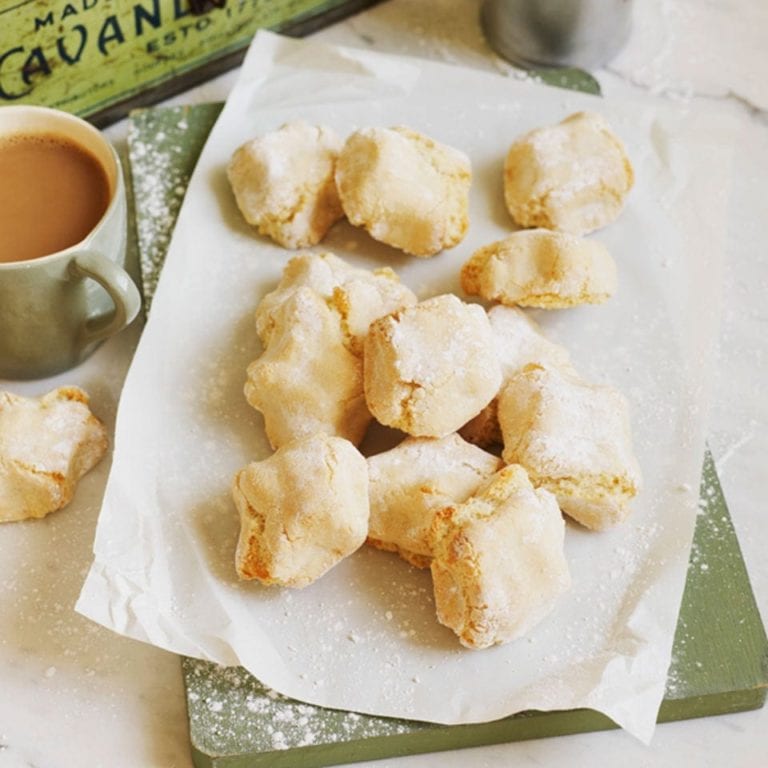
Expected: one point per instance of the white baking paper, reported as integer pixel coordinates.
(365, 637)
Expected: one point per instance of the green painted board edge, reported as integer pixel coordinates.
(720, 656)
(714, 671)
(570, 78)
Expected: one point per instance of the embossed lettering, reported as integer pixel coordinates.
(110, 33)
(3, 92)
(45, 21)
(141, 15)
(178, 11)
(35, 64)
(72, 58)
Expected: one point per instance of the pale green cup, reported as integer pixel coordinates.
(55, 309)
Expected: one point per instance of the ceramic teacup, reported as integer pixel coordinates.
(56, 307)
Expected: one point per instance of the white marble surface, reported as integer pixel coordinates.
(74, 694)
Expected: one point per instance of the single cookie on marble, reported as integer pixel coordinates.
(431, 367)
(541, 268)
(573, 438)
(46, 445)
(284, 185)
(411, 481)
(573, 176)
(302, 511)
(406, 189)
(499, 565)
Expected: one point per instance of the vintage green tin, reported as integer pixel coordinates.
(99, 58)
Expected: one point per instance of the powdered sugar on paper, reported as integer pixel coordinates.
(163, 569)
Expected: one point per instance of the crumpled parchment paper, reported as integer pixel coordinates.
(365, 637)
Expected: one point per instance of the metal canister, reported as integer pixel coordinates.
(576, 33)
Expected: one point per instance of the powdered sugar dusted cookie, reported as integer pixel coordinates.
(359, 296)
(405, 189)
(302, 510)
(284, 183)
(46, 445)
(573, 438)
(431, 367)
(518, 341)
(573, 176)
(411, 481)
(498, 565)
(541, 268)
(307, 381)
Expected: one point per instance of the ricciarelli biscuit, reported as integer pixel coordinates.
(518, 341)
(406, 189)
(414, 479)
(302, 511)
(541, 268)
(498, 565)
(306, 381)
(573, 176)
(359, 296)
(431, 367)
(573, 438)
(283, 183)
(46, 445)
(309, 377)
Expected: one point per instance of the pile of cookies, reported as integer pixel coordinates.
(404, 188)
(345, 346)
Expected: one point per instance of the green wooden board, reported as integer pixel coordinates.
(720, 657)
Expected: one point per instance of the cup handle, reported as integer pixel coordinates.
(120, 287)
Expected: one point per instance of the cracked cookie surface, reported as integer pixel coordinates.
(46, 445)
(406, 189)
(359, 296)
(498, 565)
(541, 268)
(302, 511)
(518, 342)
(284, 185)
(309, 377)
(307, 381)
(573, 176)
(411, 481)
(573, 438)
(431, 367)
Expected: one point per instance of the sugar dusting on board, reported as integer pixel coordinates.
(237, 713)
(713, 560)
(234, 714)
(166, 163)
